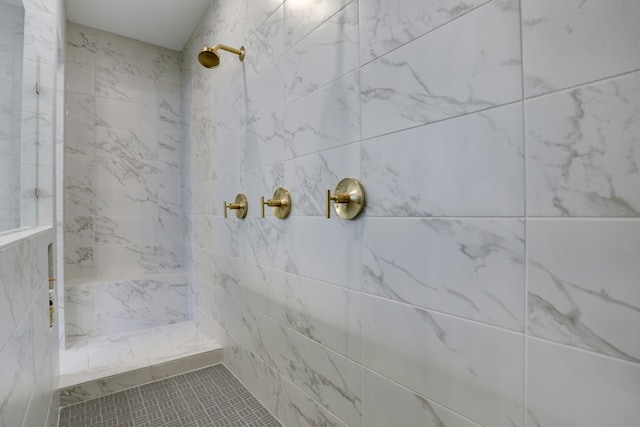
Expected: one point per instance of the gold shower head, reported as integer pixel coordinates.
(210, 58)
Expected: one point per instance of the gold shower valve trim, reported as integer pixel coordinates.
(281, 203)
(241, 206)
(349, 199)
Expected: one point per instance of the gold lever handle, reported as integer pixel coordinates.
(240, 206)
(349, 197)
(337, 198)
(281, 203)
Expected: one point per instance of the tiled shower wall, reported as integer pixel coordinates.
(28, 346)
(493, 279)
(122, 156)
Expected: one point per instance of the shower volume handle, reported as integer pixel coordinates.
(349, 199)
(281, 203)
(241, 206)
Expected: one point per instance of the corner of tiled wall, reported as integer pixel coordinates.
(492, 278)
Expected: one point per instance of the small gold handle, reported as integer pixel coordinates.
(349, 197)
(51, 279)
(337, 198)
(240, 206)
(281, 203)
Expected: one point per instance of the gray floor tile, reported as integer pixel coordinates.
(208, 397)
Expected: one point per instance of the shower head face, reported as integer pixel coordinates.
(209, 57)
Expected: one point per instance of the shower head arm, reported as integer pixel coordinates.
(240, 52)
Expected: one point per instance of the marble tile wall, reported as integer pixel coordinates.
(493, 278)
(122, 185)
(122, 156)
(28, 346)
(104, 307)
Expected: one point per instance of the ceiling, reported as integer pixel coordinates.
(166, 23)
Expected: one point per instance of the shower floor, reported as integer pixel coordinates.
(208, 397)
(104, 365)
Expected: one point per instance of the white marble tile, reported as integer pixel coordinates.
(335, 42)
(123, 230)
(81, 44)
(469, 268)
(79, 261)
(17, 373)
(9, 270)
(80, 307)
(78, 200)
(261, 96)
(110, 352)
(125, 58)
(325, 119)
(79, 170)
(78, 231)
(389, 404)
(388, 24)
(582, 280)
(39, 37)
(572, 388)
(469, 166)
(471, 64)
(266, 41)
(129, 259)
(125, 87)
(81, 108)
(582, 150)
(78, 138)
(328, 315)
(168, 108)
(469, 368)
(334, 381)
(126, 115)
(303, 16)
(573, 42)
(80, 78)
(131, 202)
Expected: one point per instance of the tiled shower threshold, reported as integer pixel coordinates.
(105, 365)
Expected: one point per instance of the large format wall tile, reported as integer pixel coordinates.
(389, 404)
(331, 379)
(468, 166)
(470, 65)
(567, 43)
(388, 24)
(302, 16)
(310, 126)
(583, 284)
(469, 268)
(574, 388)
(328, 315)
(583, 157)
(328, 53)
(473, 369)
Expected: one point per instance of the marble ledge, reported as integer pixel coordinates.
(16, 236)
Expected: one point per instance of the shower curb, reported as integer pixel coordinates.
(136, 377)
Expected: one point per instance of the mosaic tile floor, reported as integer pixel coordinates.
(208, 397)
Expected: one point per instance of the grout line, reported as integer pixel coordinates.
(525, 302)
(582, 85)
